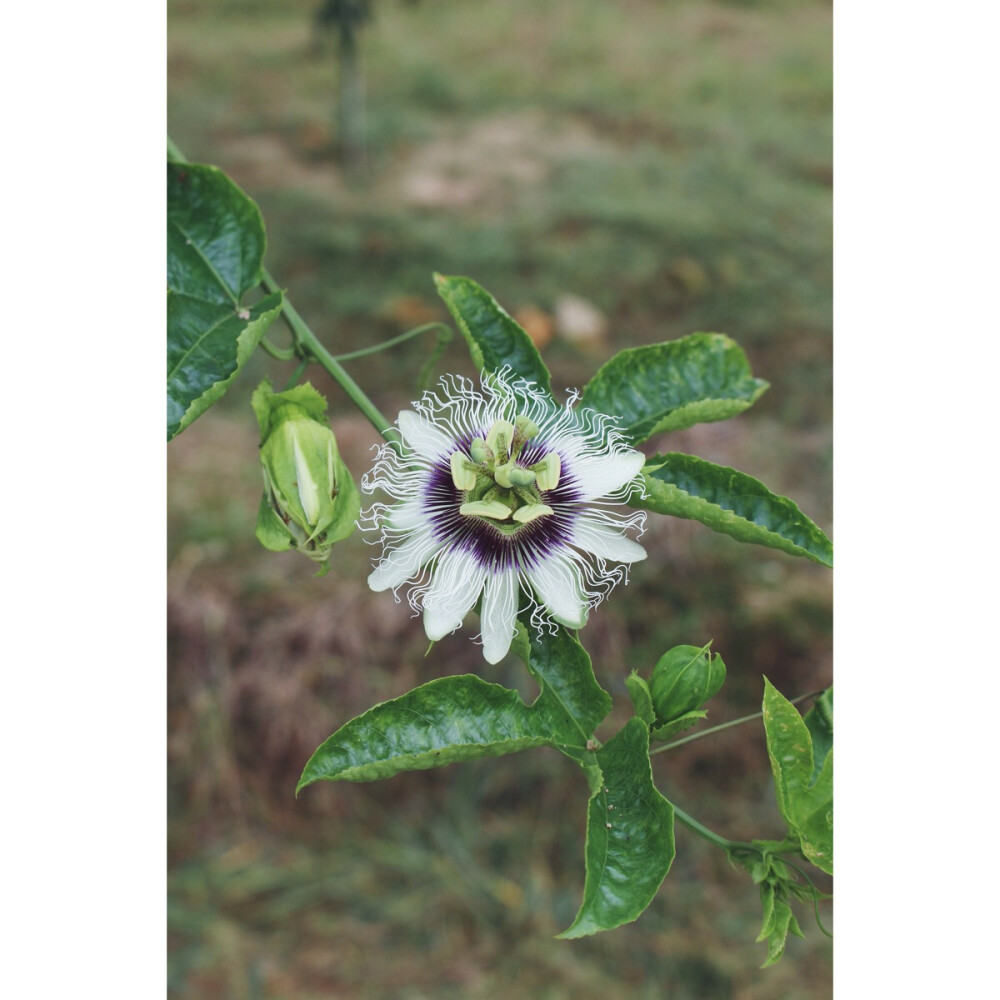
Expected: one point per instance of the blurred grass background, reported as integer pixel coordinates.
(618, 173)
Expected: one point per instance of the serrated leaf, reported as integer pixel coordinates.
(495, 339)
(642, 700)
(570, 695)
(443, 722)
(730, 502)
(666, 387)
(215, 248)
(779, 932)
(630, 835)
(207, 346)
(806, 806)
(767, 910)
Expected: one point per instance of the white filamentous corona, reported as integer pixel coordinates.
(499, 493)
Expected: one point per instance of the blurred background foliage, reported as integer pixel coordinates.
(616, 173)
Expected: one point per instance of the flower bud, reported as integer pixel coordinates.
(684, 678)
(310, 500)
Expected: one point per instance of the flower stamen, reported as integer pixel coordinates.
(485, 508)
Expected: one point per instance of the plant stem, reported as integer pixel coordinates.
(281, 353)
(309, 340)
(725, 725)
(713, 838)
(375, 348)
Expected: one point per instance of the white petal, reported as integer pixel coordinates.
(499, 614)
(605, 541)
(403, 562)
(598, 475)
(455, 587)
(423, 437)
(559, 586)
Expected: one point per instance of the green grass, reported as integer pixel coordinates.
(670, 162)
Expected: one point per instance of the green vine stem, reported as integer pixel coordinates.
(736, 848)
(281, 353)
(703, 831)
(393, 341)
(725, 725)
(307, 339)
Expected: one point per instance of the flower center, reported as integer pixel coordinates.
(496, 485)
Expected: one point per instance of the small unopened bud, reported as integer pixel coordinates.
(683, 679)
(310, 500)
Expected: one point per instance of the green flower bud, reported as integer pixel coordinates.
(310, 500)
(684, 678)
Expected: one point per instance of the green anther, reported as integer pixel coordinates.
(531, 511)
(498, 440)
(485, 508)
(480, 451)
(548, 471)
(462, 476)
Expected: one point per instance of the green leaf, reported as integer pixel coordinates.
(778, 935)
(678, 725)
(666, 387)
(806, 806)
(215, 248)
(767, 908)
(215, 235)
(819, 722)
(642, 700)
(207, 346)
(630, 835)
(574, 703)
(495, 339)
(730, 502)
(445, 721)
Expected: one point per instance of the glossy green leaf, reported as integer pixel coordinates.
(495, 339)
(448, 720)
(819, 722)
(630, 835)
(575, 704)
(207, 346)
(215, 248)
(665, 387)
(807, 806)
(730, 502)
